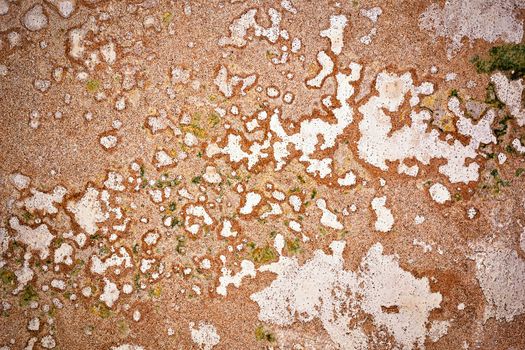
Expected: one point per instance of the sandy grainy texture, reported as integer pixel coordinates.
(262, 174)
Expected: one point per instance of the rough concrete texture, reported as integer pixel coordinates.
(262, 174)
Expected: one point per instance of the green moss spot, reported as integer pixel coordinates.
(28, 295)
(505, 58)
(101, 310)
(501, 129)
(155, 292)
(167, 17)
(293, 246)
(262, 335)
(214, 119)
(491, 98)
(7, 277)
(92, 85)
(263, 255)
(196, 179)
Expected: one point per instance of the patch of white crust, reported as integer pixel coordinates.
(20, 181)
(509, 92)
(252, 200)
(64, 7)
(100, 267)
(328, 218)
(236, 153)
(372, 14)
(288, 6)
(335, 33)
(63, 254)
(348, 180)
(322, 289)
(385, 219)
(205, 336)
(226, 85)
(37, 239)
(439, 193)
(516, 143)
(114, 181)
(378, 144)
(109, 141)
(327, 67)
(501, 275)
(488, 20)
(247, 270)
(35, 19)
(110, 293)
(196, 211)
(306, 139)
(163, 159)
(212, 176)
(127, 347)
(438, 329)
(240, 26)
(88, 211)
(45, 201)
(226, 230)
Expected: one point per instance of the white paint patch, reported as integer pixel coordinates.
(335, 33)
(35, 19)
(378, 144)
(501, 275)
(322, 289)
(37, 239)
(385, 219)
(327, 67)
(205, 336)
(227, 85)
(227, 229)
(510, 92)
(439, 193)
(88, 211)
(348, 180)
(110, 293)
(247, 270)
(252, 200)
(475, 19)
(328, 218)
(45, 201)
